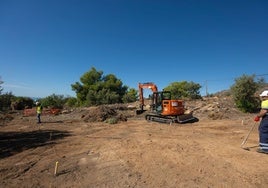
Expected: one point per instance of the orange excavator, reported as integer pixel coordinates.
(162, 108)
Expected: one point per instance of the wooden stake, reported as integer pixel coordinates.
(56, 168)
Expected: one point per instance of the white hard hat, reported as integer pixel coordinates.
(264, 93)
(37, 103)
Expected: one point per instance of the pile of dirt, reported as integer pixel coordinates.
(5, 118)
(106, 113)
(214, 108)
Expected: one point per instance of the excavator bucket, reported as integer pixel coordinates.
(185, 118)
(140, 111)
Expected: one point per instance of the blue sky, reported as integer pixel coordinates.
(47, 45)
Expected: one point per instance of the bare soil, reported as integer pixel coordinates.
(69, 151)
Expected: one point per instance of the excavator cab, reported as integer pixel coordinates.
(157, 101)
(161, 103)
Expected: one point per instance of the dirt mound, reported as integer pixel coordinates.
(5, 118)
(214, 108)
(106, 113)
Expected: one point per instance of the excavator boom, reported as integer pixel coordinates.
(142, 86)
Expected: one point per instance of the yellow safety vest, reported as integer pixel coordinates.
(264, 104)
(39, 109)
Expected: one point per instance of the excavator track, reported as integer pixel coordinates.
(160, 119)
(170, 119)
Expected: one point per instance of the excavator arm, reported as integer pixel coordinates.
(142, 86)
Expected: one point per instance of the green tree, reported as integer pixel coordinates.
(71, 101)
(89, 81)
(95, 88)
(21, 103)
(243, 92)
(53, 101)
(184, 89)
(130, 96)
(5, 101)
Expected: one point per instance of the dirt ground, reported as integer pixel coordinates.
(66, 151)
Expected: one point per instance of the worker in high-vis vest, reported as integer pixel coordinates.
(39, 109)
(263, 127)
